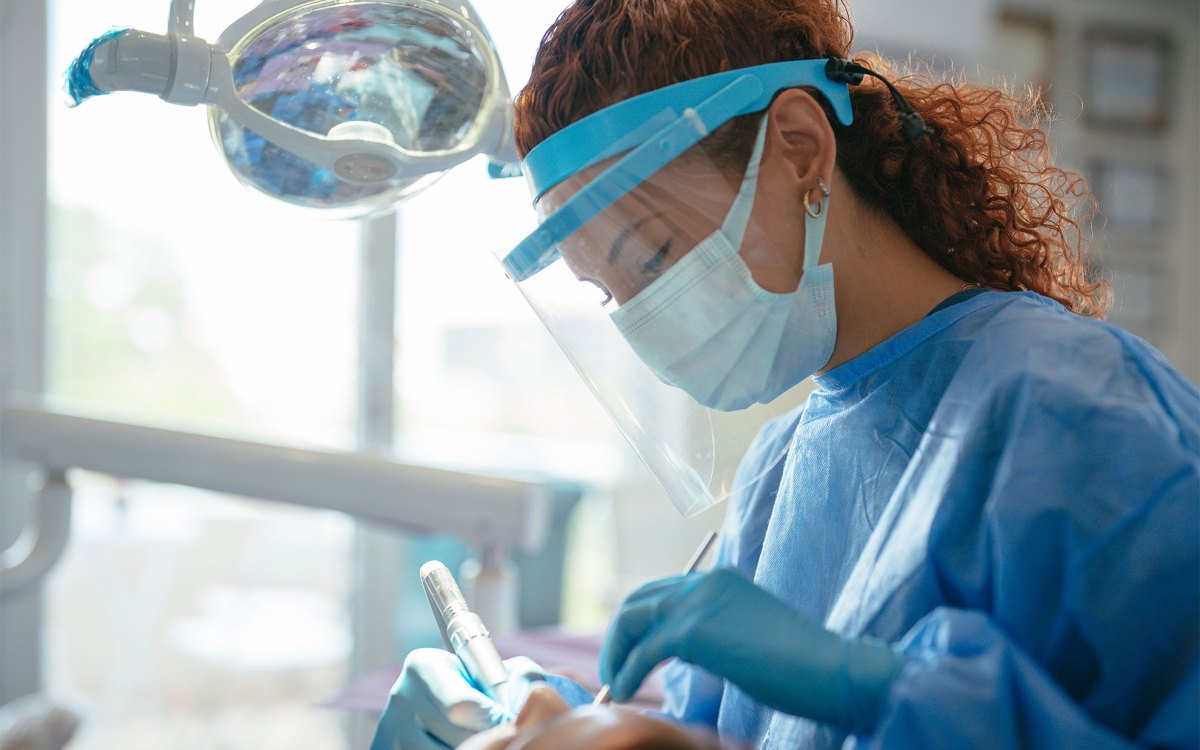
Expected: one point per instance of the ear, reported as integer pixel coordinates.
(800, 136)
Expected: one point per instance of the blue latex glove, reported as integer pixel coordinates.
(435, 705)
(725, 624)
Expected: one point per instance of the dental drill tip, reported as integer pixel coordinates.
(603, 696)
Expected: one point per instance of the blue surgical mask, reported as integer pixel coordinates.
(705, 326)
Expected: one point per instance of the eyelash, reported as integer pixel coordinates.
(655, 263)
(607, 294)
(651, 266)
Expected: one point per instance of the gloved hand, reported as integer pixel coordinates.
(725, 624)
(435, 705)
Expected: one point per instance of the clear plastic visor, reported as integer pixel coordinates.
(657, 298)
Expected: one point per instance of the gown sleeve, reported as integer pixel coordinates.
(1066, 548)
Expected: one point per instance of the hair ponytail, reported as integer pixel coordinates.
(981, 195)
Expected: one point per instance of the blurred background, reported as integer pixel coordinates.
(175, 297)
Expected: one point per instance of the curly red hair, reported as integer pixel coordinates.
(981, 196)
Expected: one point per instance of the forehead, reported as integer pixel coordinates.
(691, 175)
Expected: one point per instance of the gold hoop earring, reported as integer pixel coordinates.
(808, 205)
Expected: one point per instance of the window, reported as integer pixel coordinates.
(176, 294)
(182, 618)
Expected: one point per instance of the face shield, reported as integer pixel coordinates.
(342, 106)
(663, 286)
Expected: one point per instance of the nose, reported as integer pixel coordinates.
(542, 705)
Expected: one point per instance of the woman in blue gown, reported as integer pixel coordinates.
(990, 483)
(982, 528)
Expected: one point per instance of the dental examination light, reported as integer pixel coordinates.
(341, 105)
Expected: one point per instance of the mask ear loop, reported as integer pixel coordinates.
(814, 225)
(739, 213)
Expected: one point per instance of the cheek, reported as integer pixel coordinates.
(773, 249)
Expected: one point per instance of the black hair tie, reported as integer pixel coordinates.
(846, 71)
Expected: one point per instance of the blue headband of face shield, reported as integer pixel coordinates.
(655, 128)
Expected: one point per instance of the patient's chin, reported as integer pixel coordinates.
(496, 738)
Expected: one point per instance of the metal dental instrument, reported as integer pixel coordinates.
(463, 631)
(605, 693)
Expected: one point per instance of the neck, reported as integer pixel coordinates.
(883, 282)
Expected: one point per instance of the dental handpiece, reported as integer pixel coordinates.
(463, 631)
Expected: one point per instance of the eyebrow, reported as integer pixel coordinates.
(619, 243)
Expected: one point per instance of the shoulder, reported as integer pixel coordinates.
(1039, 356)
(1057, 421)
(1067, 454)
(1026, 331)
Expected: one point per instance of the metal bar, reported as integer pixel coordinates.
(376, 551)
(481, 509)
(37, 551)
(23, 211)
(23, 200)
(180, 20)
(376, 332)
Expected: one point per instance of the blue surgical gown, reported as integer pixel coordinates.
(1009, 494)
